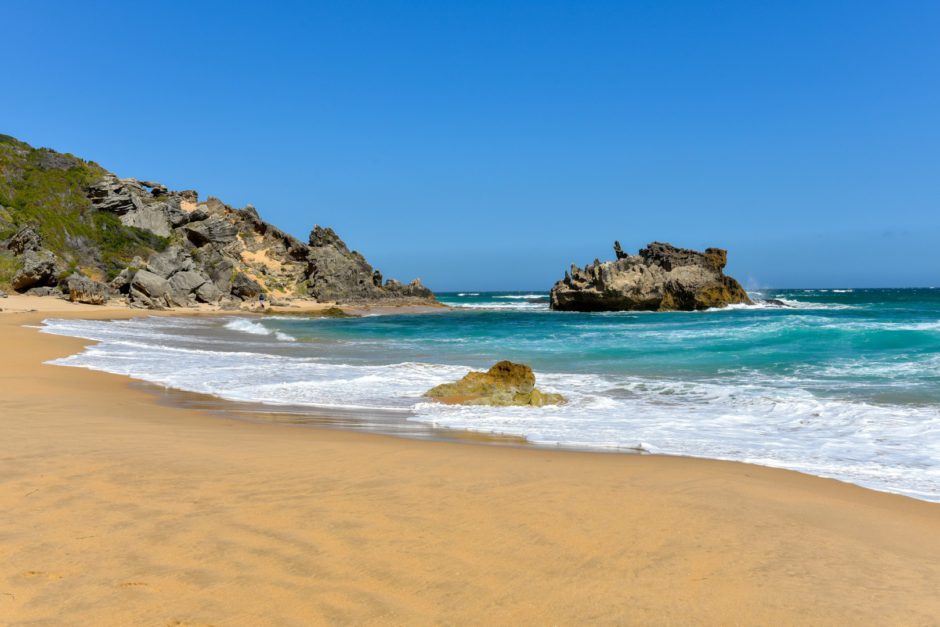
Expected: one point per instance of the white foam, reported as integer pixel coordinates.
(761, 303)
(247, 326)
(746, 416)
(523, 306)
(244, 325)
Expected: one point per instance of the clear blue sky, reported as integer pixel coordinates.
(487, 145)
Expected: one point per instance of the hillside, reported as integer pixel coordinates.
(70, 228)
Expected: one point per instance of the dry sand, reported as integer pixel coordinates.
(118, 510)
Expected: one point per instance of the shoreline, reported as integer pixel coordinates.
(118, 509)
(400, 422)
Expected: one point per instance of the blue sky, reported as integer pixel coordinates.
(487, 145)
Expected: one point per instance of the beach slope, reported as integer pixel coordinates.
(116, 509)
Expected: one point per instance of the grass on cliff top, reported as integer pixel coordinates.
(47, 189)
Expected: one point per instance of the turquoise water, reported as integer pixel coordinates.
(842, 383)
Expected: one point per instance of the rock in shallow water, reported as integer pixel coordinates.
(506, 383)
(660, 278)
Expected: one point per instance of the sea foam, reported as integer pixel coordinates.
(244, 325)
(845, 394)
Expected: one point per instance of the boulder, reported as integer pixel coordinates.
(151, 285)
(245, 288)
(139, 300)
(414, 290)
(506, 383)
(172, 260)
(24, 240)
(81, 289)
(156, 189)
(122, 282)
(198, 214)
(215, 230)
(39, 269)
(182, 285)
(208, 293)
(660, 278)
(46, 290)
(187, 281)
(221, 270)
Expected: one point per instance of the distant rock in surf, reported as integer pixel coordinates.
(506, 383)
(660, 278)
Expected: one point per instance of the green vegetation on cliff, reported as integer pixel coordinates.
(47, 189)
(154, 247)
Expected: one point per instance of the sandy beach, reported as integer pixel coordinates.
(116, 509)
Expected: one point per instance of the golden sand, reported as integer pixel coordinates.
(118, 510)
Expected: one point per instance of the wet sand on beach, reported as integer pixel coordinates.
(117, 509)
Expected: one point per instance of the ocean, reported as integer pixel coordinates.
(842, 383)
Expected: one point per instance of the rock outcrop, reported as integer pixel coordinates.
(24, 240)
(336, 273)
(81, 289)
(506, 383)
(660, 278)
(38, 270)
(154, 247)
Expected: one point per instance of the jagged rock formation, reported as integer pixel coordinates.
(660, 278)
(506, 383)
(71, 228)
(337, 274)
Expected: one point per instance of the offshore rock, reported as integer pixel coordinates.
(414, 290)
(506, 383)
(660, 278)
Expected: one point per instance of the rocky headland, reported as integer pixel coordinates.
(506, 383)
(660, 278)
(69, 228)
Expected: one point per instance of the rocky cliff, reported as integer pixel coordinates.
(70, 228)
(660, 278)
